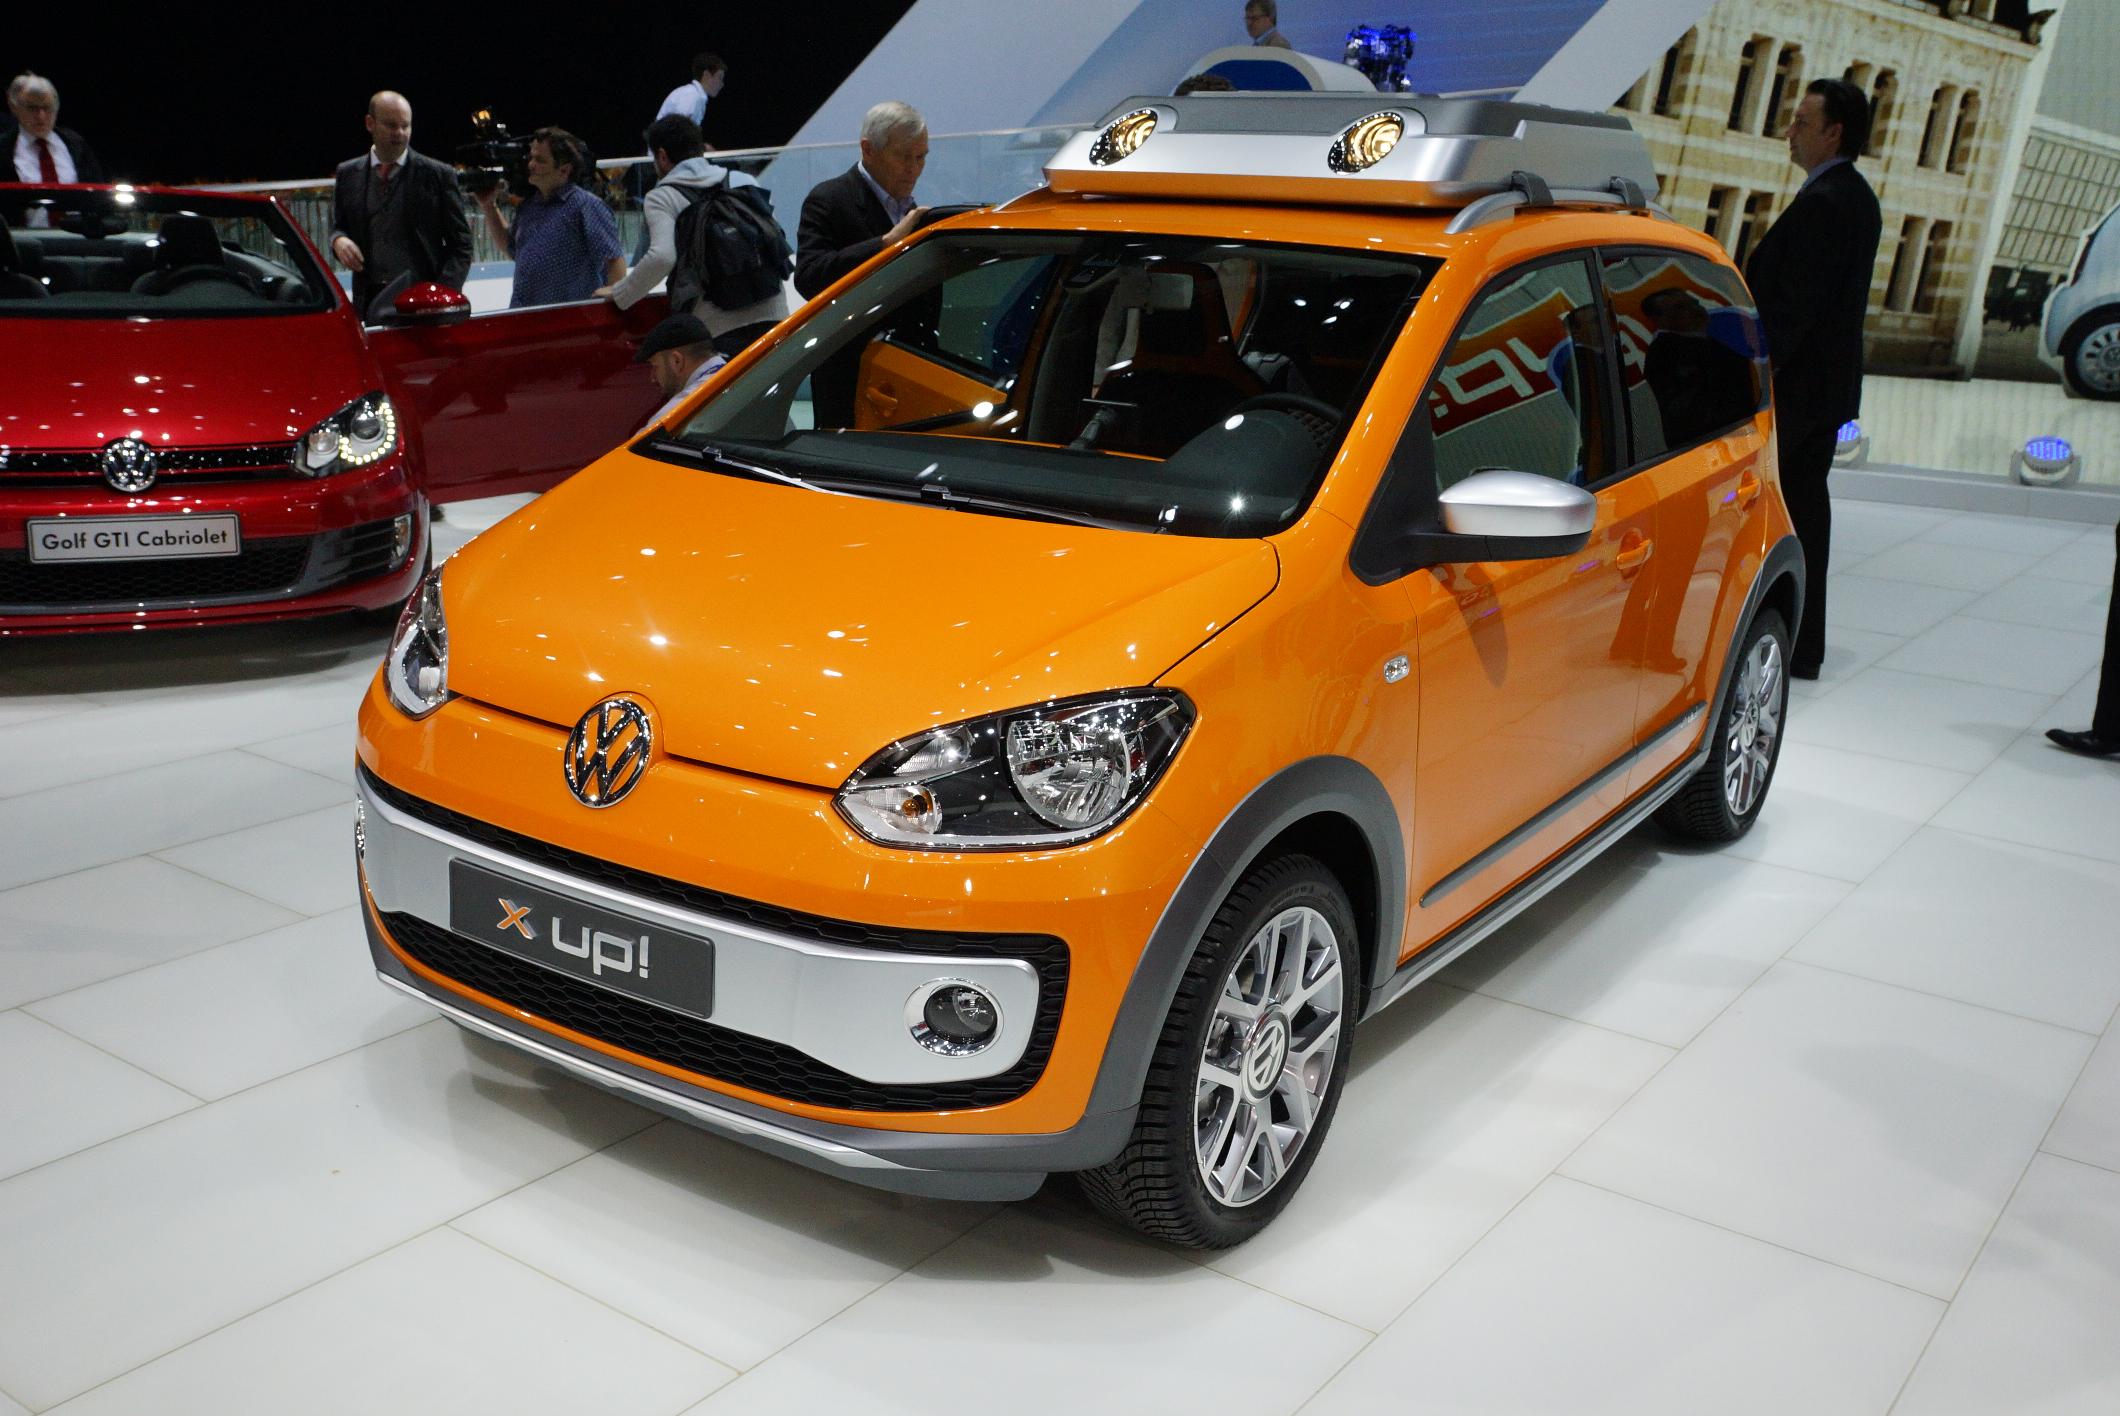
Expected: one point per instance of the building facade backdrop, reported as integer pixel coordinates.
(1945, 80)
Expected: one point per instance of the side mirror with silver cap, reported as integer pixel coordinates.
(1504, 515)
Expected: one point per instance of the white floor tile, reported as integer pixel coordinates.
(326, 751)
(9, 1408)
(154, 808)
(1914, 717)
(1583, 1301)
(1955, 568)
(2088, 561)
(1853, 1121)
(1888, 606)
(1848, 653)
(2051, 604)
(62, 1095)
(1656, 952)
(2043, 795)
(1458, 1107)
(2031, 1333)
(2020, 535)
(2021, 656)
(2037, 939)
(440, 1324)
(734, 1253)
(74, 930)
(304, 863)
(1865, 528)
(2088, 1128)
(1015, 1309)
(1841, 813)
(18, 708)
(116, 1255)
(229, 1018)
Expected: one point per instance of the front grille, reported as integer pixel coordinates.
(248, 462)
(678, 1041)
(260, 568)
(264, 569)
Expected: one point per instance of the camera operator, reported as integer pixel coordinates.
(396, 215)
(564, 239)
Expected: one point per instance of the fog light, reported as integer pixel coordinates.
(953, 1016)
(2047, 462)
(360, 830)
(400, 539)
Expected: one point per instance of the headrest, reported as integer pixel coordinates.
(8, 259)
(188, 241)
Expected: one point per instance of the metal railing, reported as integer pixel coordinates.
(961, 167)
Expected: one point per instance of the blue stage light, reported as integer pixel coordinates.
(1382, 53)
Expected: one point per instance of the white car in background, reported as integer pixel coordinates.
(2082, 327)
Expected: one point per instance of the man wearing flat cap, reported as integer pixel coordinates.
(680, 353)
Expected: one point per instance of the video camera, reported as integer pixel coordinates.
(493, 156)
(1382, 53)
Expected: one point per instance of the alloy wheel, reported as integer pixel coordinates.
(2098, 360)
(1267, 1065)
(1754, 726)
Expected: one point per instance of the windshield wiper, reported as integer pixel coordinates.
(936, 494)
(757, 470)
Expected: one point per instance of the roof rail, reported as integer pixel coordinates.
(1528, 191)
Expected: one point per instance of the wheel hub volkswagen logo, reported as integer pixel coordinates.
(1266, 1056)
(607, 752)
(130, 465)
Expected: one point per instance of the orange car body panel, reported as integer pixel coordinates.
(783, 637)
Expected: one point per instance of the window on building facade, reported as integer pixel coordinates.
(1895, 287)
(1747, 62)
(1934, 252)
(1759, 210)
(1884, 97)
(1631, 100)
(1858, 75)
(1676, 60)
(1721, 201)
(1786, 91)
(1961, 150)
(1937, 131)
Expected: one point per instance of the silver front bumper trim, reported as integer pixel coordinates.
(843, 1006)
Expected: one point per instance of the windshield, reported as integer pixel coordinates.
(1162, 382)
(105, 254)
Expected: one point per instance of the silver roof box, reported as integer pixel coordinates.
(1293, 148)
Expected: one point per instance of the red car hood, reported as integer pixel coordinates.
(79, 383)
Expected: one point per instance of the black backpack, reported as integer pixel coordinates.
(730, 250)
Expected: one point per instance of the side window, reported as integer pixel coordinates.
(1691, 353)
(1526, 385)
(981, 319)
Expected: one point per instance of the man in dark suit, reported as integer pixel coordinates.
(397, 216)
(1811, 275)
(38, 148)
(849, 218)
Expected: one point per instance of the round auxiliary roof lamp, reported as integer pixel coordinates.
(2046, 462)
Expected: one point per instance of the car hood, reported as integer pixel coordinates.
(178, 382)
(791, 633)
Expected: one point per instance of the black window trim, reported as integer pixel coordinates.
(1604, 299)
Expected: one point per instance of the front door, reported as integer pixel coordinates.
(1529, 670)
(518, 400)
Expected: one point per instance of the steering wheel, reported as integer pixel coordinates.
(1318, 417)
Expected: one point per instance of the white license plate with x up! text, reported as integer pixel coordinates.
(114, 538)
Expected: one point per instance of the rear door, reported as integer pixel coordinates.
(518, 400)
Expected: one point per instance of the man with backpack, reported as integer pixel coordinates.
(711, 232)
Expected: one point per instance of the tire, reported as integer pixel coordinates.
(2090, 354)
(1229, 1026)
(1723, 799)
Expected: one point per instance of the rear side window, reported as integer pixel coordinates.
(1692, 357)
(1526, 384)
(981, 319)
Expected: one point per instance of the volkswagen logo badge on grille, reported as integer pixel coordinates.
(607, 752)
(130, 465)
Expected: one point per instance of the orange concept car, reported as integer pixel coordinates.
(1025, 710)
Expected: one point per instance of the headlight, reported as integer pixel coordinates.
(362, 432)
(416, 671)
(1035, 777)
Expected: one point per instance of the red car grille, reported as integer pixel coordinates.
(249, 462)
(269, 569)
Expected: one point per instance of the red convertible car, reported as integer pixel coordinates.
(195, 427)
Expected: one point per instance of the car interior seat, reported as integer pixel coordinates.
(18, 279)
(187, 250)
(1167, 363)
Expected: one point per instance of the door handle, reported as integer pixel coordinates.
(1634, 552)
(882, 399)
(1748, 488)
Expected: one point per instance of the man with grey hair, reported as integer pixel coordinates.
(1262, 21)
(42, 150)
(849, 218)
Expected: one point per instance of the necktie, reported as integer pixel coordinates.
(383, 171)
(46, 168)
